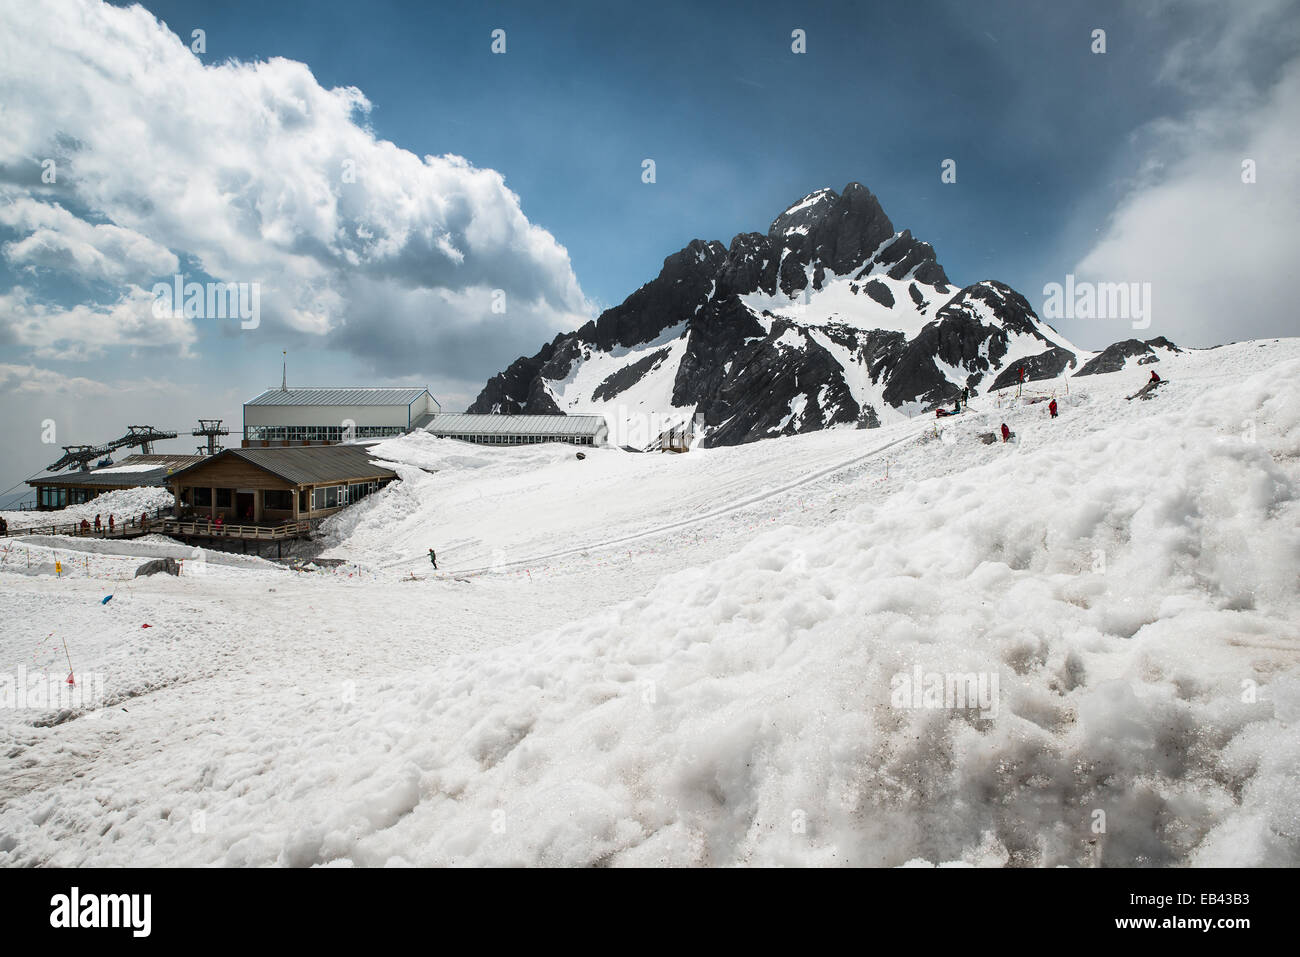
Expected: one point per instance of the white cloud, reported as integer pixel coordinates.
(18, 380)
(262, 175)
(57, 239)
(88, 331)
(1218, 252)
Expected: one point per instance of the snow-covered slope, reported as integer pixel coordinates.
(617, 666)
(831, 318)
(122, 503)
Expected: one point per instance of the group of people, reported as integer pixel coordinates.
(1051, 406)
(112, 524)
(99, 525)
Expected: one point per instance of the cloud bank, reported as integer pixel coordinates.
(1219, 252)
(248, 172)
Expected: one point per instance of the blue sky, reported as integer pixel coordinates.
(738, 125)
(1123, 165)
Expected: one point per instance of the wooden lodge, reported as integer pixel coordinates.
(261, 490)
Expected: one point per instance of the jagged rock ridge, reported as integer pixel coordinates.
(829, 318)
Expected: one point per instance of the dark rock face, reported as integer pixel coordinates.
(907, 255)
(1045, 365)
(167, 566)
(878, 291)
(1160, 342)
(971, 332)
(519, 389)
(1114, 356)
(804, 374)
(628, 376)
(754, 375)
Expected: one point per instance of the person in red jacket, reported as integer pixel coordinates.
(85, 527)
(1155, 377)
(1052, 408)
(97, 525)
(110, 524)
(1006, 433)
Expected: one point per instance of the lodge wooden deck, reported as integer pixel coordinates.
(203, 528)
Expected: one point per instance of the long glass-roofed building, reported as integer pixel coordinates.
(520, 429)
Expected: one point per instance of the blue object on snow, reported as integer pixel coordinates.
(107, 599)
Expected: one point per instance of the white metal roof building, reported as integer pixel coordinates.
(520, 429)
(316, 416)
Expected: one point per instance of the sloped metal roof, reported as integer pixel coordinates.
(126, 473)
(466, 423)
(358, 396)
(310, 464)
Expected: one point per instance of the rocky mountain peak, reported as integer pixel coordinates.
(829, 318)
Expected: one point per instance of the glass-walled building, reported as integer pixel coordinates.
(310, 416)
(520, 429)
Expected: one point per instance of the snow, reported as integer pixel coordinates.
(638, 414)
(130, 467)
(858, 379)
(837, 302)
(793, 414)
(693, 659)
(812, 199)
(790, 339)
(122, 502)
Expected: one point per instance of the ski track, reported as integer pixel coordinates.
(674, 526)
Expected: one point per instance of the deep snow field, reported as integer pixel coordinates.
(643, 659)
(123, 503)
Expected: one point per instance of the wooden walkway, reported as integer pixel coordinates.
(127, 528)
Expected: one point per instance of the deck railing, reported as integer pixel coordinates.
(128, 527)
(210, 529)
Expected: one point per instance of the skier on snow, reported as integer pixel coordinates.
(433, 559)
(1052, 408)
(1006, 433)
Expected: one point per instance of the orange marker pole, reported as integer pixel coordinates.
(65, 651)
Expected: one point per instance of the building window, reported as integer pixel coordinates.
(223, 498)
(281, 499)
(202, 497)
(329, 496)
(357, 492)
(317, 433)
